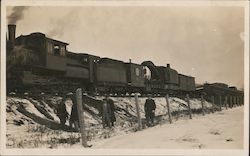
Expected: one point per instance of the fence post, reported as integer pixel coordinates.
(80, 116)
(239, 101)
(138, 112)
(220, 103)
(169, 112)
(212, 99)
(105, 115)
(225, 102)
(235, 101)
(242, 100)
(230, 102)
(189, 109)
(233, 104)
(202, 105)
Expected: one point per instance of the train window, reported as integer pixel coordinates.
(62, 51)
(56, 50)
(49, 48)
(137, 72)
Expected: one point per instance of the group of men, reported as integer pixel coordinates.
(63, 114)
(107, 112)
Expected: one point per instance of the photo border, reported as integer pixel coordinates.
(77, 151)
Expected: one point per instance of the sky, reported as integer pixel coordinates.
(201, 41)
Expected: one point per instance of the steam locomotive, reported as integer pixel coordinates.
(35, 61)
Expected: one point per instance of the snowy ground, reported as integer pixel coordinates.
(32, 123)
(221, 130)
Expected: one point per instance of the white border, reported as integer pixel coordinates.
(5, 151)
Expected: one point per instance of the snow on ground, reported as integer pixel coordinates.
(25, 132)
(221, 130)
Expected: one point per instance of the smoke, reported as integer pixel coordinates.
(16, 14)
(57, 28)
(58, 25)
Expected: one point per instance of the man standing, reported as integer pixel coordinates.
(62, 112)
(149, 109)
(105, 114)
(108, 112)
(111, 106)
(74, 113)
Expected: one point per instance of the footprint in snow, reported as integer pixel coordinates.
(215, 132)
(187, 138)
(229, 139)
(200, 146)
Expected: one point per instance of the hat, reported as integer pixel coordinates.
(70, 93)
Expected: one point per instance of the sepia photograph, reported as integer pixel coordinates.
(125, 77)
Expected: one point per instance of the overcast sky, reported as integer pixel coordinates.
(204, 42)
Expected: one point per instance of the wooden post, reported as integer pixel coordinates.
(242, 100)
(138, 112)
(105, 115)
(220, 103)
(189, 109)
(233, 101)
(225, 102)
(230, 102)
(212, 99)
(169, 112)
(202, 105)
(80, 116)
(239, 101)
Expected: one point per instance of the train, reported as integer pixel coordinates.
(39, 63)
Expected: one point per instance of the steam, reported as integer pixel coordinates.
(58, 25)
(57, 29)
(17, 14)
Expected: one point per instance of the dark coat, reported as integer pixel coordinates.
(110, 107)
(61, 110)
(149, 106)
(74, 112)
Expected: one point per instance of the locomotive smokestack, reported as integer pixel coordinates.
(12, 34)
(129, 60)
(168, 65)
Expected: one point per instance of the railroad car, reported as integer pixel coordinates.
(169, 76)
(186, 83)
(135, 77)
(37, 60)
(111, 75)
(154, 84)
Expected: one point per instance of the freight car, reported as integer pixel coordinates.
(111, 76)
(186, 83)
(36, 60)
(221, 92)
(136, 75)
